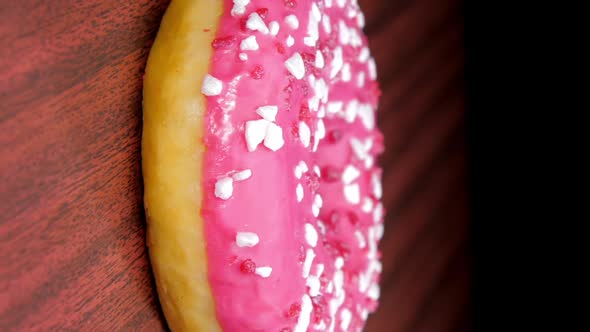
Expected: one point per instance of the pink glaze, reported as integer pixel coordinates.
(266, 203)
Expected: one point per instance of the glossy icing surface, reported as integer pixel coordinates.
(291, 187)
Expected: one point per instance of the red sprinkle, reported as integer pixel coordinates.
(248, 266)
(319, 308)
(295, 130)
(334, 136)
(233, 259)
(301, 256)
(243, 22)
(290, 3)
(293, 311)
(280, 48)
(335, 217)
(353, 217)
(305, 113)
(308, 61)
(224, 42)
(257, 73)
(331, 174)
(262, 12)
(312, 180)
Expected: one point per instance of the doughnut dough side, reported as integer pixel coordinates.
(173, 110)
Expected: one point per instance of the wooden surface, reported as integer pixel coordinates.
(72, 252)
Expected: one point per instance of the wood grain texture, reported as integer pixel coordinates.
(72, 250)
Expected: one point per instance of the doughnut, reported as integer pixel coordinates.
(259, 156)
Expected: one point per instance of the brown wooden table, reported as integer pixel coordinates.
(72, 251)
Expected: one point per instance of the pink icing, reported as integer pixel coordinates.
(266, 203)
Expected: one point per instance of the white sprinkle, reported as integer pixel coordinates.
(337, 62)
(376, 185)
(314, 103)
(319, 59)
(346, 74)
(379, 229)
(311, 235)
(372, 69)
(274, 28)
(338, 281)
(375, 265)
(355, 38)
(317, 200)
(247, 239)
(239, 7)
(243, 56)
(300, 169)
(321, 129)
(367, 205)
(322, 112)
(339, 263)
(313, 33)
(290, 41)
(264, 271)
(295, 66)
(365, 314)
(378, 213)
(341, 3)
(315, 210)
(361, 150)
(249, 44)
(309, 256)
(268, 112)
(304, 315)
(361, 239)
(274, 137)
(360, 79)
(367, 115)
(319, 269)
(328, 3)
(346, 317)
(364, 281)
(315, 11)
(292, 21)
(374, 292)
(322, 227)
(321, 326)
(364, 54)
(242, 175)
(343, 34)
(326, 24)
(256, 23)
(350, 174)
(314, 285)
(299, 192)
(351, 111)
(255, 133)
(335, 106)
(304, 134)
(360, 20)
(369, 162)
(372, 254)
(211, 86)
(316, 170)
(224, 188)
(317, 205)
(321, 89)
(350, 13)
(352, 193)
(330, 287)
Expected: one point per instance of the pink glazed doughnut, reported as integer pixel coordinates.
(259, 149)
